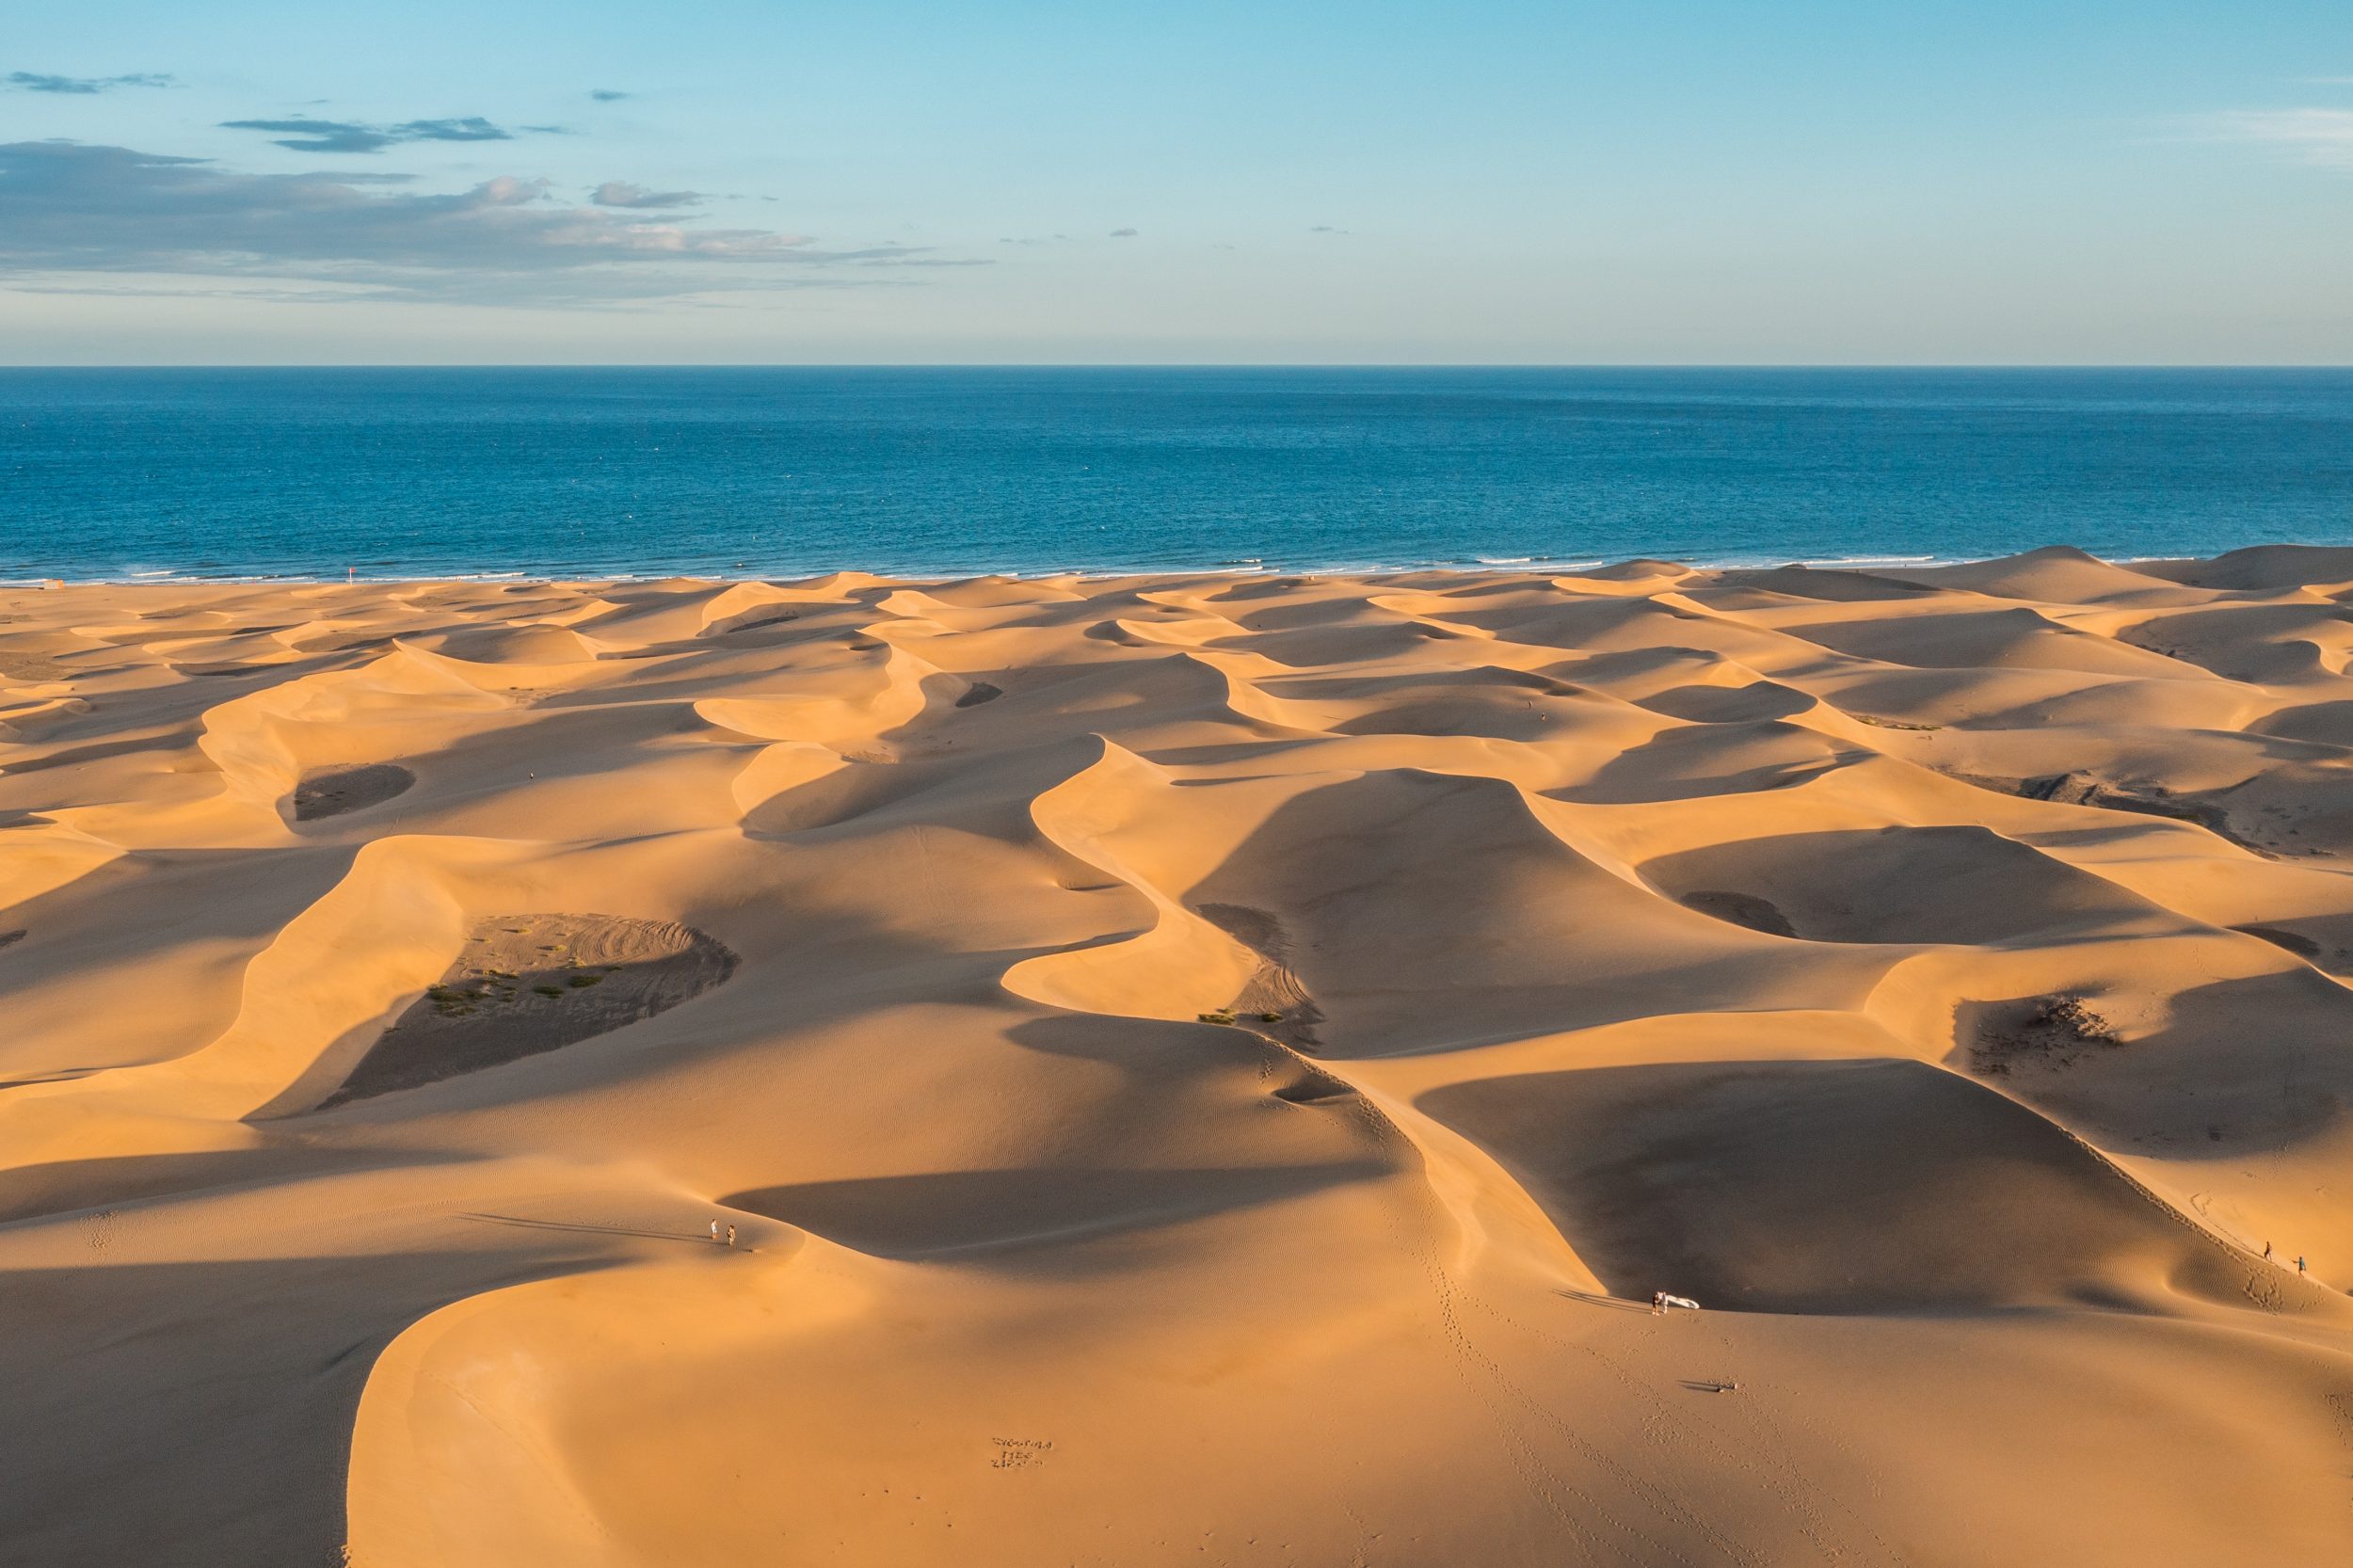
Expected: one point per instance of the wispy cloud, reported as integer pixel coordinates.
(2323, 137)
(607, 95)
(38, 80)
(68, 208)
(1123, 233)
(305, 134)
(620, 193)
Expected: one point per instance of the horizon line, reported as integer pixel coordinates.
(1209, 365)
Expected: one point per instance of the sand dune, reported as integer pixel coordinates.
(1197, 1069)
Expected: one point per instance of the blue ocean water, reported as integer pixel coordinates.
(397, 472)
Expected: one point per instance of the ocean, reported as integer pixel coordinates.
(740, 472)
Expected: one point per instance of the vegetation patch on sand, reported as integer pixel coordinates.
(2042, 1031)
(1276, 998)
(528, 983)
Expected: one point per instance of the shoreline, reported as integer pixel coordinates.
(1536, 566)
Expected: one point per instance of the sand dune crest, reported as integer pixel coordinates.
(1196, 1068)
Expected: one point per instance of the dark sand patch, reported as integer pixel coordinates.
(62, 1186)
(1823, 1187)
(33, 666)
(921, 1214)
(1745, 909)
(2279, 936)
(336, 642)
(1836, 587)
(1958, 884)
(529, 984)
(751, 621)
(8, 936)
(332, 791)
(1275, 1001)
(978, 693)
(2034, 1032)
(2084, 788)
(1752, 704)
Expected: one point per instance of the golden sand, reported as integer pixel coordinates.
(1199, 1070)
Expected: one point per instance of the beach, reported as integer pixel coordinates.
(1182, 1068)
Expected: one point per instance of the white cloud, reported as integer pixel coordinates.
(2322, 136)
(305, 134)
(620, 193)
(67, 208)
(41, 81)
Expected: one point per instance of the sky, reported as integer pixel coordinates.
(1711, 181)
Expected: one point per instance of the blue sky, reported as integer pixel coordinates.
(1309, 182)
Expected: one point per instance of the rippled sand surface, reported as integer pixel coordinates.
(1197, 1070)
